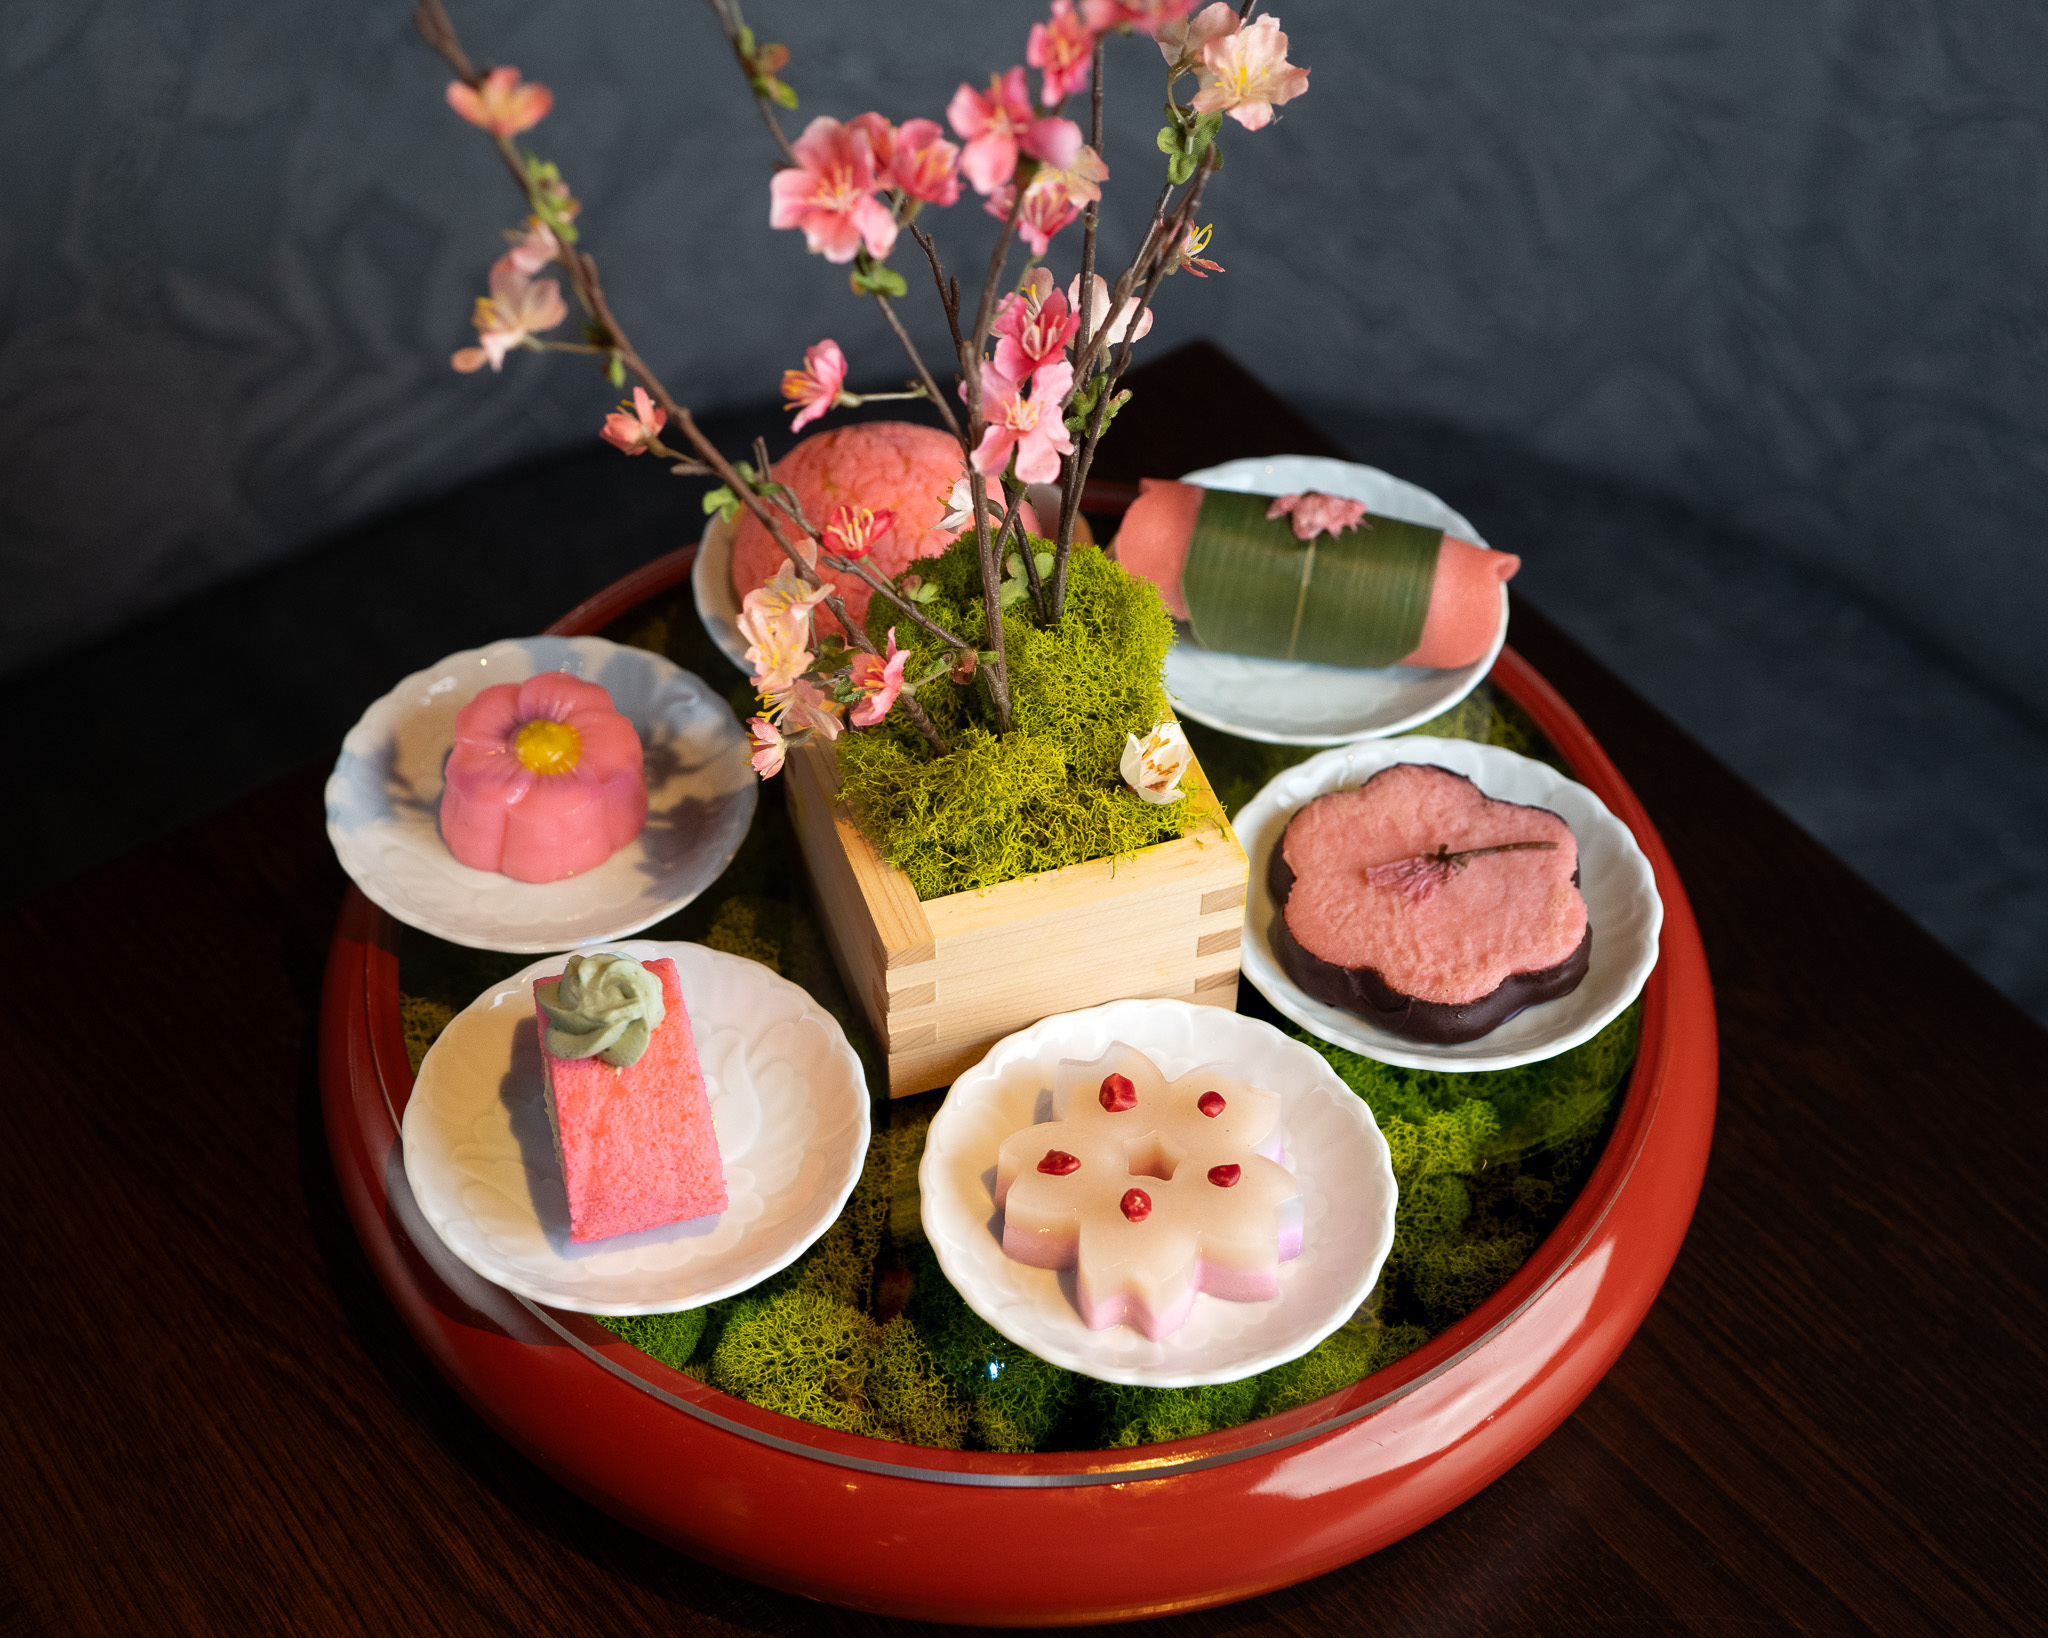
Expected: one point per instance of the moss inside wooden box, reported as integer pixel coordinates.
(1049, 793)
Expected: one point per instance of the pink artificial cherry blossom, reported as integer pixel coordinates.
(501, 105)
(1182, 43)
(925, 165)
(815, 388)
(878, 679)
(1246, 74)
(1313, 513)
(769, 747)
(803, 706)
(1188, 253)
(533, 248)
(516, 311)
(1034, 325)
(1030, 426)
(778, 646)
(635, 425)
(1146, 16)
(1062, 49)
(1053, 197)
(959, 503)
(787, 592)
(830, 194)
(999, 126)
(853, 529)
(1099, 306)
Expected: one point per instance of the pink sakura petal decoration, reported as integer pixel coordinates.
(1419, 877)
(830, 194)
(852, 530)
(925, 165)
(769, 746)
(1313, 513)
(878, 679)
(815, 388)
(1246, 75)
(1031, 426)
(517, 309)
(1144, 16)
(636, 424)
(1099, 306)
(1033, 327)
(997, 127)
(1062, 49)
(501, 105)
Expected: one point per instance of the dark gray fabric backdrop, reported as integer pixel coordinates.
(1778, 259)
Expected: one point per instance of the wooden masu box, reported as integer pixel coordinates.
(943, 980)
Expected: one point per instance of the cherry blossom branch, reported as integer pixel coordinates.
(931, 386)
(1070, 494)
(730, 21)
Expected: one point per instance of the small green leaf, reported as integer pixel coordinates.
(723, 503)
(783, 93)
(615, 370)
(1169, 139)
(924, 593)
(1179, 168)
(1043, 562)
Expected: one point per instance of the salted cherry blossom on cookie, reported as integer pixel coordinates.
(1153, 766)
(878, 679)
(1001, 125)
(1031, 425)
(815, 388)
(516, 311)
(1313, 513)
(1061, 48)
(853, 530)
(635, 424)
(1246, 75)
(501, 105)
(830, 194)
(769, 746)
(1098, 307)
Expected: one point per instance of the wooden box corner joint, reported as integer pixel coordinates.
(942, 980)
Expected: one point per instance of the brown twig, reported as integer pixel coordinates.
(931, 386)
(730, 21)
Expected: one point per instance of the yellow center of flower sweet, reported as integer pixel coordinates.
(546, 747)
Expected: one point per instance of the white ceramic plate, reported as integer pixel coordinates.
(788, 1101)
(718, 606)
(384, 801)
(1332, 1145)
(1292, 702)
(1621, 903)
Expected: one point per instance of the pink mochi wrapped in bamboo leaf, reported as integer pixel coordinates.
(545, 782)
(1313, 577)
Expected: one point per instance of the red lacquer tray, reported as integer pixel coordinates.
(1031, 1540)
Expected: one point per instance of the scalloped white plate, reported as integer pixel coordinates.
(718, 606)
(1292, 702)
(1621, 903)
(788, 1101)
(384, 801)
(1333, 1147)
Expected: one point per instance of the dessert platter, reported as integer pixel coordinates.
(463, 1192)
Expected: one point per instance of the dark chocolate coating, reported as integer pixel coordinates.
(1361, 990)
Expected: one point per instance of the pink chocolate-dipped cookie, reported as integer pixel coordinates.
(545, 780)
(1151, 1191)
(1424, 905)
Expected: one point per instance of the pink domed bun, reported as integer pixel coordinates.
(887, 465)
(587, 800)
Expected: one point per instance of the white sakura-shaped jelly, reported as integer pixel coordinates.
(1151, 1191)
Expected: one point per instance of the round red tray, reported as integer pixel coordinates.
(1079, 1537)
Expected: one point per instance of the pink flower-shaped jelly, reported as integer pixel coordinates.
(545, 780)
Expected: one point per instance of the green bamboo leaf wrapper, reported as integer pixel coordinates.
(1356, 599)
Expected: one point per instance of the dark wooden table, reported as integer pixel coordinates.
(1831, 1421)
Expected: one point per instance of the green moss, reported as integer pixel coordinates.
(746, 925)
(670, 1338)
(1014, 1398)
(423, 1019)
(1049, 793)
(1150, 1416)
(801, 1353)
(1349, 1354)
(910, 1395)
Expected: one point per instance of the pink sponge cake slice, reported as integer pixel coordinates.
(1426, 907)
(635, 1142)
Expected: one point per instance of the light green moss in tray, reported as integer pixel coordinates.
(1049, 793)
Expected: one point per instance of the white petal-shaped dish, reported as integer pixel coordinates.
(718, 605)
(1621, 903)
(384, 801)
(1333, 1147)
(1292, 702)
(788, 1101)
